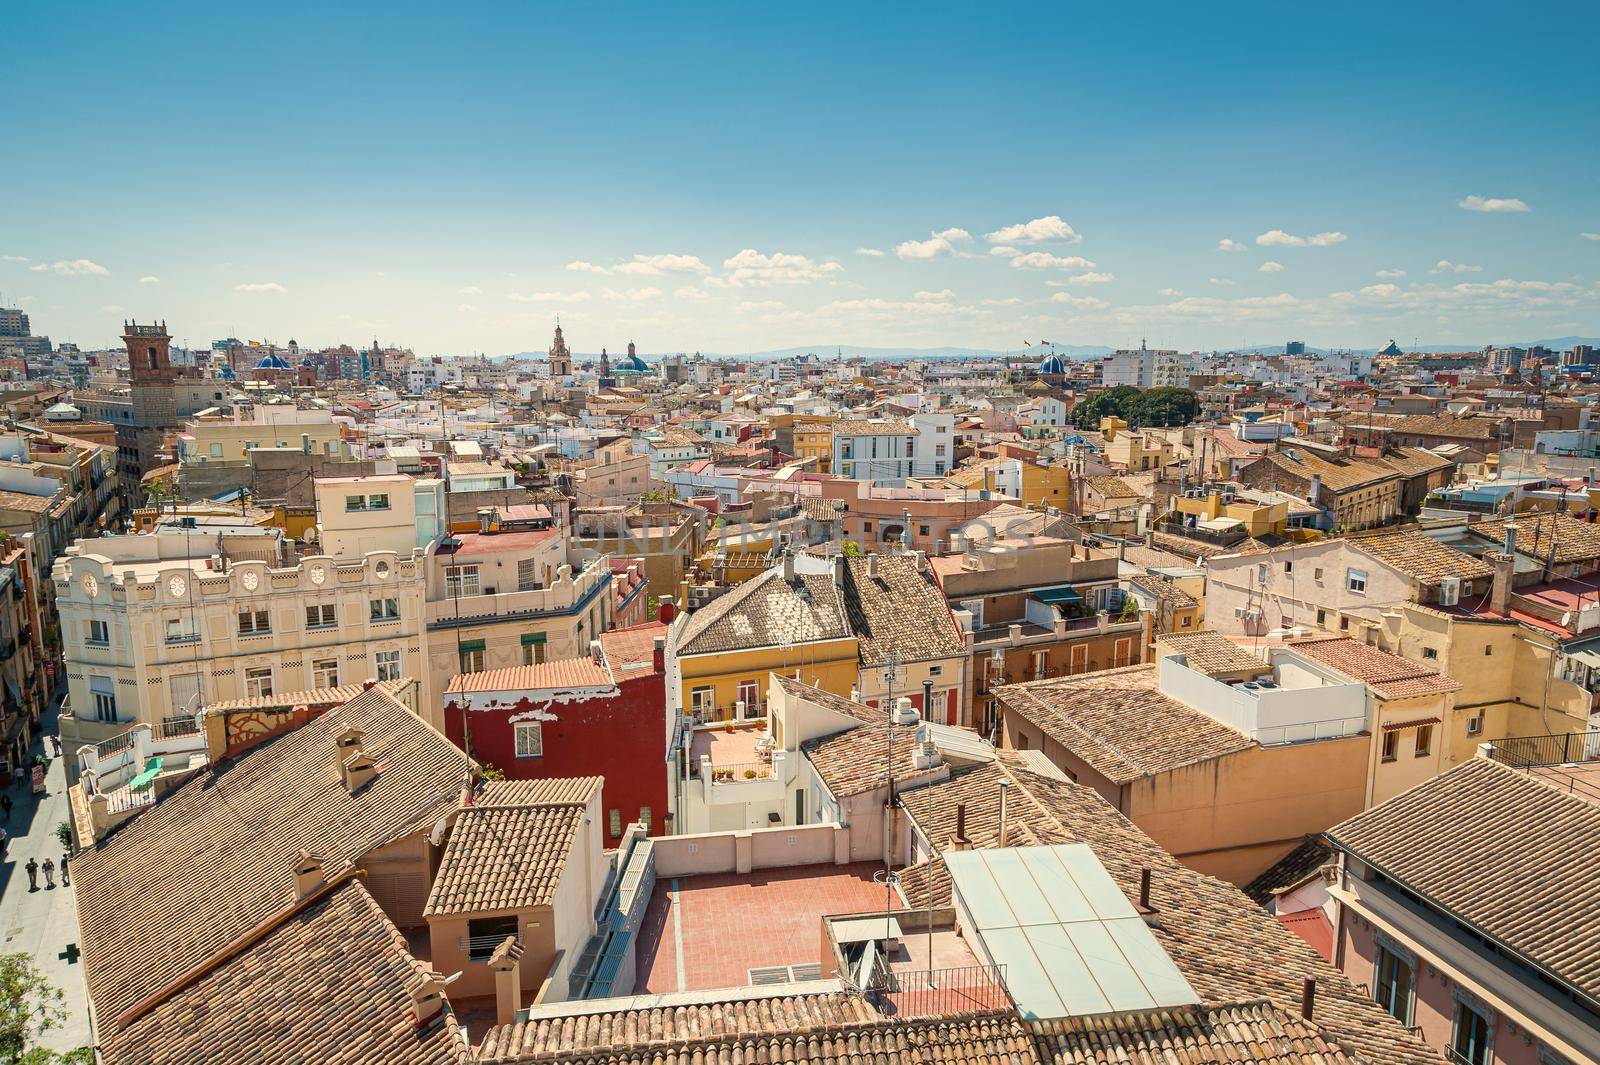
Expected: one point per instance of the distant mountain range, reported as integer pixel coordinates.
(1068, 351)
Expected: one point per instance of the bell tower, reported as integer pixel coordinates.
(155, 393)
(560, 357)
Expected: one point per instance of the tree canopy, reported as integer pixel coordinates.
(1139, 407)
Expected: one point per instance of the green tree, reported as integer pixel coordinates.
(851, 549)
(1111, 401)
(1162, 407)
(29, 1009)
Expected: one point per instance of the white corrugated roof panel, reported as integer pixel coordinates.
(1070, 942)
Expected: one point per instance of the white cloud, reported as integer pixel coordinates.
(113, 308)
(1043, 260)
(1005, 252)
(465, 308)
(13, 258)
(1009, 301)
(632, 295)
(71, 268)
(1493, 205)
(580, 266)
(689, 292)
(941, 296)
(1229, 244)
(1091, 279)
(1269, 267)
(1445, 266)
(260, 286)
(1087, 303)
(1038, 231)
(1391, 275)
(1590, 236)
(938, 243)
(754, 269)
(763, 306)
(579, 296)
(1279, 239)
(149, 279)
(871, 253)
(656, 265)
(1169, 292)
(1219, 280)
(470, 290)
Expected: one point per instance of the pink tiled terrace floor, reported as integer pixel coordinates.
(729, 924)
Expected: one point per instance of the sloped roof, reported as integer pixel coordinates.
(852, 762)
(1120, 723)
(1230, 950)
(508, 851)
(901, 610)
(211, 860)
(832, 1028)
(1500, 849)
(1210, 653)
(1388, 675)
(1575, 540)
(764, 610)
(335, 978)
(1419, 556)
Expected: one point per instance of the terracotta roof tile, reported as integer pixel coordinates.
(505, 857)
(211, 860)
(1120, 723)
(1388, 675)
(1501, 850)
(764, 610)
(561, 673)
(330, 985)
(1419, 556)
(902, 610)
(1210, 653)
(1575, 540)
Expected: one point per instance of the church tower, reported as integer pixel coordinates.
(560, 357)
(154, 381)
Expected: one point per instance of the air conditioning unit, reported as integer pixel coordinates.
(1450, 591)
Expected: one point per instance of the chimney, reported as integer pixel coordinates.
(1316, 490)
(506, 961)
(359, 769)
(308, 870)
(427, 998)
(658, 654)
(788, 568)
(1000, 836)
(596, 652)
(346, 740)
(1308, 997)
(905, 713)
(1144, 890)
(666, 610)
(1500, 591)
(927, 699)
(961, 841)
(872, 567)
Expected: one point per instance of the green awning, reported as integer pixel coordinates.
(529, 638)
(152, 767)
(1061, 593)
(471, 645)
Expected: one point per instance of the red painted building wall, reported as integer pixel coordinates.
(622, 738)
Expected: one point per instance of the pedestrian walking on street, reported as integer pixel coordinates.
(55, 741)
(49, 874)
(5, 804)
(33, 874)
(65, 882)
(5, 841)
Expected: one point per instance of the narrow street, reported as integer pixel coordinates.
(42, 923)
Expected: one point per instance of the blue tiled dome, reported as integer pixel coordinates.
(273, 362)
(1054, 366)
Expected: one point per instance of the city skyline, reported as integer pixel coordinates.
(733, 181)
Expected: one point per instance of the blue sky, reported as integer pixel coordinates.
(440, 175)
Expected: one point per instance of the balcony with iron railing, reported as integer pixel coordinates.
(1569, 761)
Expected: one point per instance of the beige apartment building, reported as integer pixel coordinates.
(230, 437)
(159, 626)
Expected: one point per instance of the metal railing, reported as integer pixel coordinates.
(1525, 752)
(740, 772)
(924, 993)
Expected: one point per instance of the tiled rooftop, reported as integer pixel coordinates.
(728, 924)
